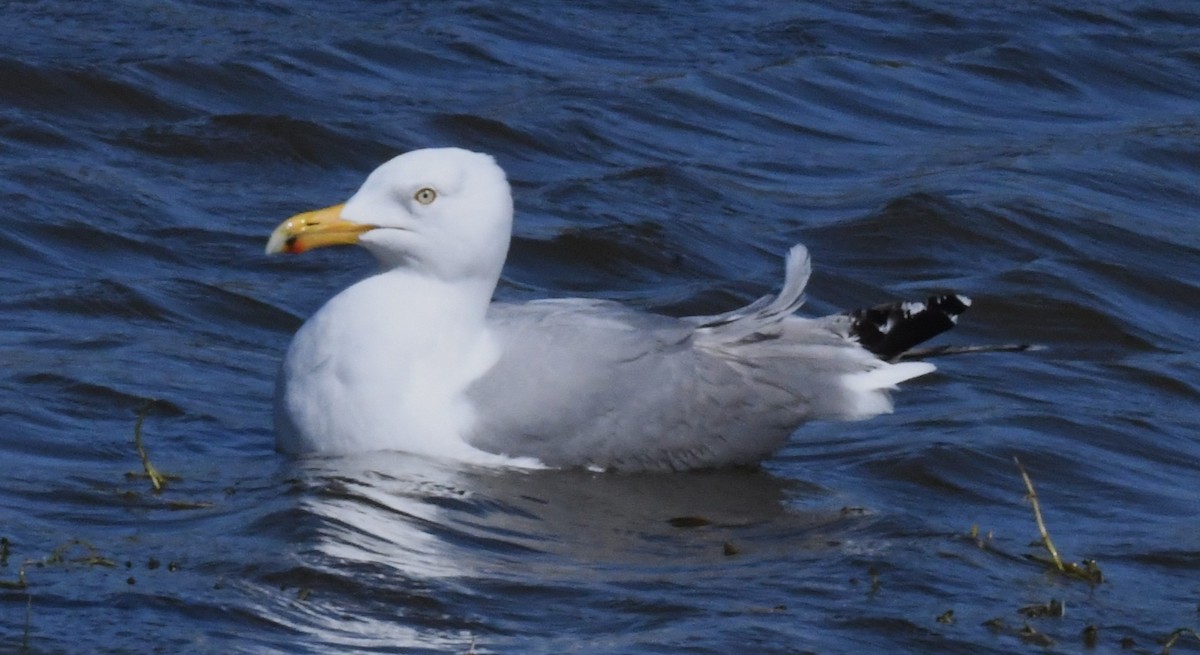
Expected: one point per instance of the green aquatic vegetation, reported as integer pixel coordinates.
(1089, 571)
(72, 551)
(158, 480)
(91, 555)
(17, 584)
(1055, 609)
(1031, 636)
(182, 505)
(1090, 635)
(28, 613)
(1175, 637)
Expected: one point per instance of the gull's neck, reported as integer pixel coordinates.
(394, 354)
(426, 311)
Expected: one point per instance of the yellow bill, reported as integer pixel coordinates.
(315, 229)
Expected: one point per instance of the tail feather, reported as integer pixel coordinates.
(766, 312)
(891, 330)
(867, 391)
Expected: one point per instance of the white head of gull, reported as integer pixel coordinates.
(417, 358)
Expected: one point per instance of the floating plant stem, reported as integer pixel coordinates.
(19, 583)
(91, 558)
(157, 479)
(1037, 514)
(1089, 571)
(28, 612)
(1175, 637)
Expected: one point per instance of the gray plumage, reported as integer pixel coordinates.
(417, 357)
(592, 382)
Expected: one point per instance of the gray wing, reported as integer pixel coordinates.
(593, 383)
(586, 382)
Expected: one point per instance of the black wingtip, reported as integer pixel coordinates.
(891, 330)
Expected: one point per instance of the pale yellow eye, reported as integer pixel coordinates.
(425, 196)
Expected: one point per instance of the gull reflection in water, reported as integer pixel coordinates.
(415, 542)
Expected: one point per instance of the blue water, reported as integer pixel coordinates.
(1043, 159)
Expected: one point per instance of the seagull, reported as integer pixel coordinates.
(418, 358)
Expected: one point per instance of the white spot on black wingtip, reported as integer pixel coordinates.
(891, 330)
(965, 301)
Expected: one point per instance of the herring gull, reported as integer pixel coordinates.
(418, 358)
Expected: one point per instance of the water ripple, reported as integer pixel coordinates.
(1041, 159)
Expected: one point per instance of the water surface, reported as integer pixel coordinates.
(1042, 159)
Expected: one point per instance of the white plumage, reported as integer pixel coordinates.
(417, 358)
